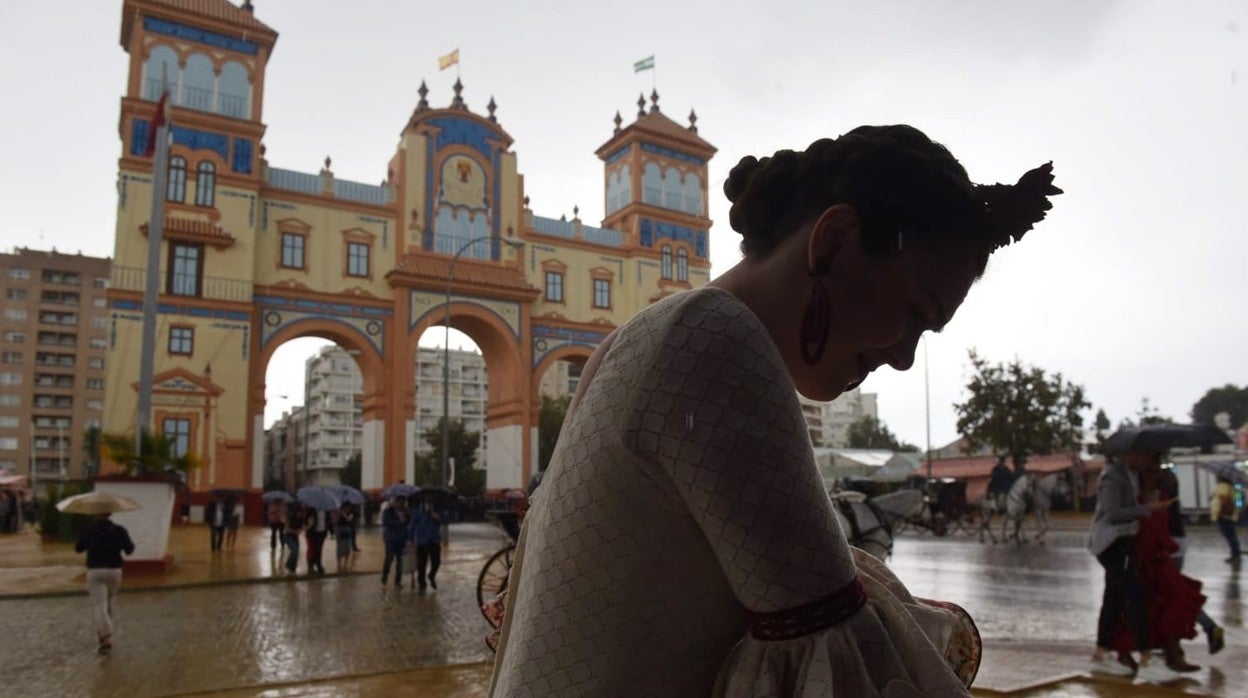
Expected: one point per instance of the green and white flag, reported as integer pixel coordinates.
(644, 64)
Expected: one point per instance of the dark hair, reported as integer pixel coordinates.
(895, 177)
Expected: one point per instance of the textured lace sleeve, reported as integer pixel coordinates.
(718, 413)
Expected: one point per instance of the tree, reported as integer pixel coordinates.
(1020, 410)
(869, 432)
(93, 450)
(1229, 399)
(1102, 425)
(1148, 414)
(462, 448)
(352, 471)
(549, 423)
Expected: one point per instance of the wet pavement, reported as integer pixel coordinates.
(346, 636)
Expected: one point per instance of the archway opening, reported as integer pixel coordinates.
(313, 415)
(555, 387)
(452, 384)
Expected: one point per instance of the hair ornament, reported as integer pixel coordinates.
(1010, 210)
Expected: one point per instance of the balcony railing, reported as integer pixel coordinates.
(216, 288)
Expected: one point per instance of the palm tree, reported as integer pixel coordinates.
(159, 456)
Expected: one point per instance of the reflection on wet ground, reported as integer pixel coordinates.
(347, 636)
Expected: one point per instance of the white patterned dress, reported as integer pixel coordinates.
(681, 502)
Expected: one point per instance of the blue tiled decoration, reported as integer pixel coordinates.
(651, 231)
(619, 153)
(203, 36)
(242, 156)
(459, 131)
(138, 137)
(668, 152)
(206, 140)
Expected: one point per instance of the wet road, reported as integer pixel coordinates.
(219, 637)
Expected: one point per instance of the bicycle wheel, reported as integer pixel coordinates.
(493, 578)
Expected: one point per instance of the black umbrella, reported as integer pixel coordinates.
(1228, 471)
(1163, 437)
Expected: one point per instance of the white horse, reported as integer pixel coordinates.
(1030, 492)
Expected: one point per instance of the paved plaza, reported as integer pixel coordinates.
(344, 635)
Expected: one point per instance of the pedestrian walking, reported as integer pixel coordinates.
(1222, 509)
(343, 527)
(355, 527)
(1168, 485)
(318, 531)
(427, 536)
(394, 523)
(1173, 602)
(234, 519)
(104, 542)
(1115, 525)
(215, 515)
(276, 517)
(296, 522)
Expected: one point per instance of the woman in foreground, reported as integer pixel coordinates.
(682, 543)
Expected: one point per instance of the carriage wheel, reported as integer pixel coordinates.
(493, 578)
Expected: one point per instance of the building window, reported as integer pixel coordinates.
(95, 384)
(10, 400)
(99, 323)
(181, 340)
(554, 287)
(99, 343)
(96, 362)
(9, 378)
(682, 264)
(19, 273)
(357, 259)
(100, 302)
(185, 265)
(11, 357)
(8, 421)
(667, 261)
(176, 186)
(205, 184)
(602, 293)
(15, 294)
(100, 282)
(179, 432)
(95, 405)
(292, 250)
(14, 336)
(8, 443)
(15, 314)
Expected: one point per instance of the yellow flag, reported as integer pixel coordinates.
(448, 60)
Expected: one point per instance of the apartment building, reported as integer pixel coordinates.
(53, 337)
(828, 422)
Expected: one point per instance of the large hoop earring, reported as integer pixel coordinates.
(814, 336)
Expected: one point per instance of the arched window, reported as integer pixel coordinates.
(205, 184)
(176, 186)
(234, 91)
(161, 63)
(199, 83)
(667, 261)
(682, 264)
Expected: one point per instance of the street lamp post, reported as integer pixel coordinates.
(446, 352)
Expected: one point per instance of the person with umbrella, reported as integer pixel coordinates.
(104, 542)
(216, 515)
(427, 535)
(1222, 509)
(344, 531)
(1114, 527)
(394, 522)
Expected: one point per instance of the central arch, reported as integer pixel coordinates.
(508, 405)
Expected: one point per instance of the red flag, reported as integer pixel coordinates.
(158, 120)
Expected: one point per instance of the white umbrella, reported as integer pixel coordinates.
(96, 503)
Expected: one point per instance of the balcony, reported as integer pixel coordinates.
(215, 288)
(62, 278)
(58, 319)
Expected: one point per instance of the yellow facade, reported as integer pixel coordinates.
(255, 255)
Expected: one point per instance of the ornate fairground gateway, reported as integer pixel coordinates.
(254, 255)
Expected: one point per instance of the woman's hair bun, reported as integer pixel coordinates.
(739, 178)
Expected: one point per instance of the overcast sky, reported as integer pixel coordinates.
(1133, 287)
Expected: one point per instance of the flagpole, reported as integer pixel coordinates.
(155, 229)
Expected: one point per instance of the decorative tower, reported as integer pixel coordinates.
(656, 192)
(210, 56)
